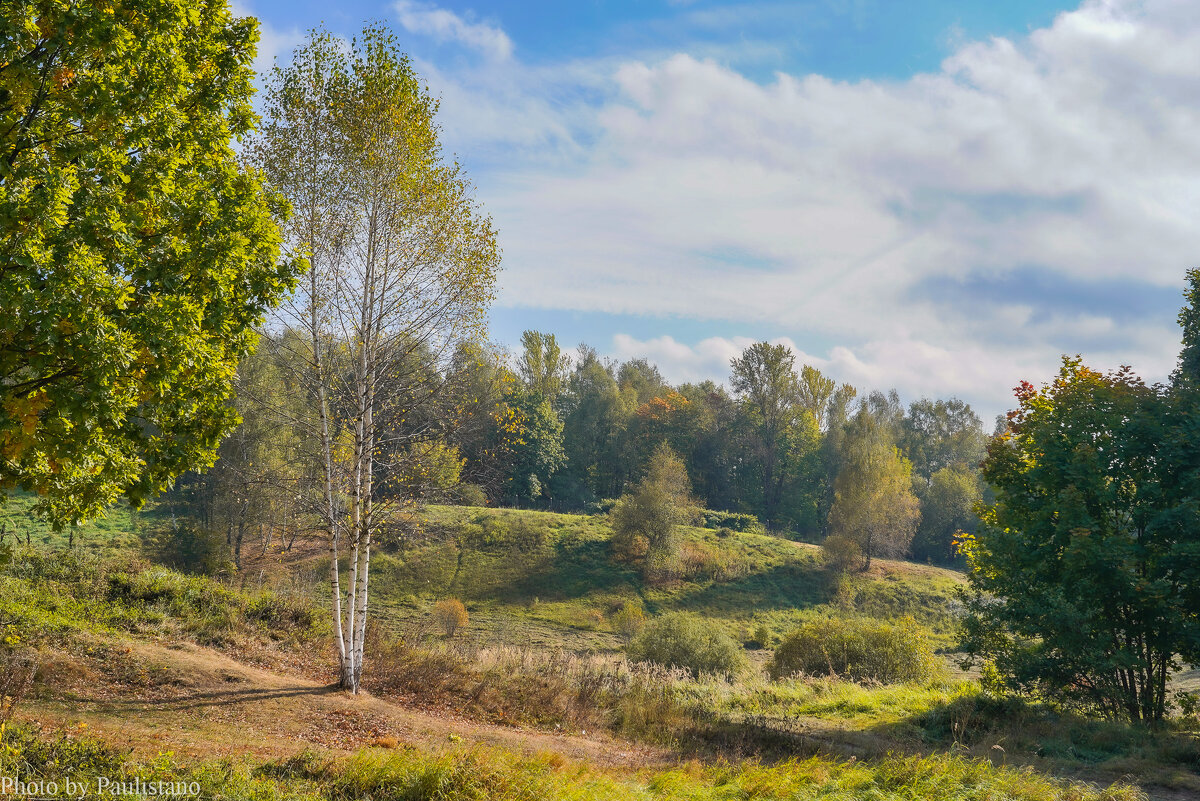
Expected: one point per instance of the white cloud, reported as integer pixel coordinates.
(895, 219)
(445, 26)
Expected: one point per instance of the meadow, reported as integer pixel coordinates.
(543, 649)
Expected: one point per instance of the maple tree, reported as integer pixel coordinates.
(136, 254)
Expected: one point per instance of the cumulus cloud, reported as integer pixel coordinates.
(445, 26)
(950, 233)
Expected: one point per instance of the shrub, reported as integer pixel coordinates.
(470, 495)
(644, 521)
(629, 620)
(685, 641)
(760, 637)
(861, 650)
(732, 521)
(600, 507)
(450, 616)
(841, 554)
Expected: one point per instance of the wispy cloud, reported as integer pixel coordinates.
(444, 25)
(898, 223)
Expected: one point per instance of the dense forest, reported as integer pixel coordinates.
(783, 445)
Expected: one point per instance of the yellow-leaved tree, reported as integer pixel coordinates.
(404, 266)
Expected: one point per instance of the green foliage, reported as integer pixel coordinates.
(644, 522)
(782, 435)
(470, 495)
(139, 255)
(948, 504)
(686, 641)
(535, 451)
(941, 434)
(861, 650)
(1079, 571)
(873, 499)
(841, 553)
(734, 521)
(543, 365)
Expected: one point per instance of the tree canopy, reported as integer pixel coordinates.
(136, 255)
(1080, 574)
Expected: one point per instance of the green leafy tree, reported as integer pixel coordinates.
(534, 450)
(781, 433)
(942, 433)
(644, 522)
(642, 379)
(595, 420)
(948, 504)
(542, 365)
(874, 504)
(136, 255)
(1081, 569)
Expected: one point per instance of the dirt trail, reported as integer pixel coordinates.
(201, 702)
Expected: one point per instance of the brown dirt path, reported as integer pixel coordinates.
(201, 702)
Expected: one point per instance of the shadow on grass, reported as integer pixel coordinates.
(570, 569)
(792, 585)
(205, 699)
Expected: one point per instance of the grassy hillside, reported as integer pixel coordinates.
(540, 669)
(116, 530)
(551, 575)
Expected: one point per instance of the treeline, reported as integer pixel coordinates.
(780, 441)
(543, 429)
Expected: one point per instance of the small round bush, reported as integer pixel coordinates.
(685, 641)
(450, 616)
(470, 495)
(841, 554)
(629, 620)
(861, 650)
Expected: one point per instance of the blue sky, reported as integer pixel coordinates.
(943, 197)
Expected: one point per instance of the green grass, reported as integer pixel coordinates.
(547, 583)
(117, 530)
(51, 597)
(477, 774)
(540, 570)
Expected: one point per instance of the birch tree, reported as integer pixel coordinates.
(403, 269)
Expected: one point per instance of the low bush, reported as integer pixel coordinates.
(629, 620)
(687, 642)
(841, 554)
(450, 616)
(600, 507)
(861, 650)
(470, 495)
(734, 521)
